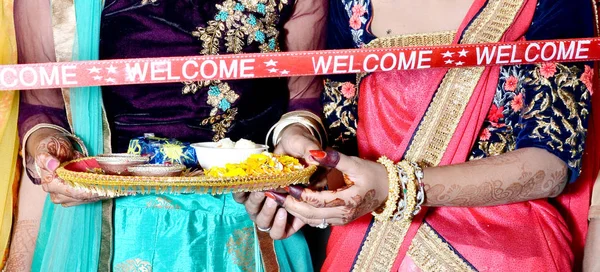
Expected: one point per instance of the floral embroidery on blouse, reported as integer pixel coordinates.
(134, 265)
(241, 248)
(237, 24)
(220, 123)
(357, 11)
(544, 106)
(221, 97)
(241, 23)
(339, 107)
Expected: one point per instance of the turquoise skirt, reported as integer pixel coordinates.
(161, 233)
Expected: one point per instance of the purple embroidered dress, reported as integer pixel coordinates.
(189, 232)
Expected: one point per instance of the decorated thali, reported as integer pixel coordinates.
(82, 173)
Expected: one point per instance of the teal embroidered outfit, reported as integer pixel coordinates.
(174, 232)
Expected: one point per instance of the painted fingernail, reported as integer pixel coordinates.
(328, 158)
(52, 164)
(279, 198)
(294, 191)
(318, 154)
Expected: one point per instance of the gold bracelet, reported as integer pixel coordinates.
(403, 190)
(419, 175)
(393, 194)
(407, 175)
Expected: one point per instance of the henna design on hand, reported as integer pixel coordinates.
(335, 203)
(363, 205)
(317, 203)
(359, 206)
(57, 146)
(50, 152)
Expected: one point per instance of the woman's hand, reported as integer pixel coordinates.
(267, 215)
(366, 189)
(50, 152)
(296, 141)
(262, 207)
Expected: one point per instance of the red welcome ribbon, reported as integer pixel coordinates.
(288, 64)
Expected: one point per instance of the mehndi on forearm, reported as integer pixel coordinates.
(516, 176)
(22, 245)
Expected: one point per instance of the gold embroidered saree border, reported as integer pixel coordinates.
(436, 130)
(63, 32)
(420, 39)
(442, 117)
(597, 21)
(430, 253)
(106, 236)
(63, 28)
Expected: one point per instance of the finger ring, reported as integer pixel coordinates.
(323, 225)
(263, 230)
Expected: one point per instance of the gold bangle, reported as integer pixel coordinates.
(393, 194)
(407, 174)
(419, 175)
(402, 200)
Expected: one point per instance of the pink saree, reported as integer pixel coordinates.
(436, 116)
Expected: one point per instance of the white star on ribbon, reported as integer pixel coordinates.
(285, 72)
(271, 63)
(449, 61)
(273, 70)
(98, 78)
(94, 70)
(110, 80)
(460, 63)
(448, 54)
(111, 69)
(463, 53)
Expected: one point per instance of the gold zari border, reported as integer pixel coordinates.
(421, 39)
(424, 39)
(431, 253)
(430, 141)
(442, 117)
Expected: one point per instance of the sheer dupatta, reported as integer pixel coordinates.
(9, 140)
(76, 244)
